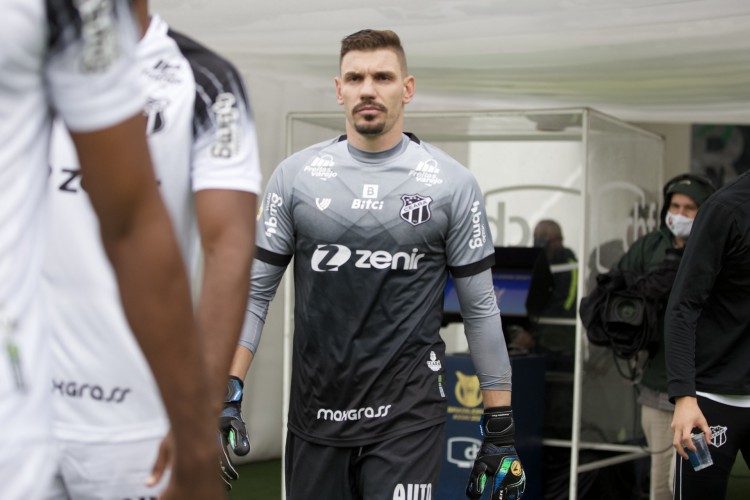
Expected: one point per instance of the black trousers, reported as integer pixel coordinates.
(730, 433)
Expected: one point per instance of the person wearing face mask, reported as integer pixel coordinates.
(656, 255)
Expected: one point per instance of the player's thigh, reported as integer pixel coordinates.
(26, 469)
(745, 442)
(727, 426)
(110, 471)
(314, 472)
(406, 467)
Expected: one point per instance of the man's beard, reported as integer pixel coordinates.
(370, 124)
(370, 127)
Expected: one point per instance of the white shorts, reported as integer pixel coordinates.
(105, 471)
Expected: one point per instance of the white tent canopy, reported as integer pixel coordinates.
(680, 61)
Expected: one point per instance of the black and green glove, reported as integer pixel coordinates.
(232, 431)
(497, 465)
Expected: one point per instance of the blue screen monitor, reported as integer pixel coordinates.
(517, 272)
(511, 292)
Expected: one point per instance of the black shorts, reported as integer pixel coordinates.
(405, 467)
(730, 429)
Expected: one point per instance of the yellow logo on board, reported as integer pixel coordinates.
(467, 390)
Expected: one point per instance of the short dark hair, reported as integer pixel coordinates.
(548, 229)
(372, 40)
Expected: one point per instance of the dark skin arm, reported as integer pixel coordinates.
(226, 220)
(138, 237)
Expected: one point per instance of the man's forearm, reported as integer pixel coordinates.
(155, 294)
(243, 358)
(220, 315)
(494, 399)
(138, 237)
(226, 220)
(679, 346)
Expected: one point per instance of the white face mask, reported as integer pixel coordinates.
(679, 225)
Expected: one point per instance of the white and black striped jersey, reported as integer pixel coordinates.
(373, 238)
(78, 64)
(201, 135)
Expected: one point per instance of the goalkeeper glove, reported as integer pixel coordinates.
(232, 431)
(497, 460)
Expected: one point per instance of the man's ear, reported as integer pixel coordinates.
(409, 86)
(339, 97)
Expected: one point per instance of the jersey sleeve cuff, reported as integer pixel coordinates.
(473, 268)
(269, 257)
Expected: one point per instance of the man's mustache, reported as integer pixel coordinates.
(368, 104)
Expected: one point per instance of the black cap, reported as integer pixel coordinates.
(696, 187)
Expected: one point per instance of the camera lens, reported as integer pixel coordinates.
(626, 309)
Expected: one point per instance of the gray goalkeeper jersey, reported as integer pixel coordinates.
(373, 237)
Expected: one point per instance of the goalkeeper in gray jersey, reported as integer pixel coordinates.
(376, 219)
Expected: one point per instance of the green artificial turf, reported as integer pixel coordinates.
(258, 481)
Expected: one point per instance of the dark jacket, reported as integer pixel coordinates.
(707, 329)
(646, 255)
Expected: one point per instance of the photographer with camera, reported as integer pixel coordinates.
(655, 257)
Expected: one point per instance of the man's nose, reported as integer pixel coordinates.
(368, 88)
